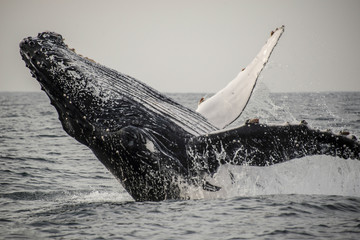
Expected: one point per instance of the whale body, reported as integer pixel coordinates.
(154, 146)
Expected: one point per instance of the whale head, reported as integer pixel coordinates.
(59, 71)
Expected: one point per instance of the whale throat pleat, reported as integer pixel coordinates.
(111, 85)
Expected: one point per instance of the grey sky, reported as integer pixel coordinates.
(196, 45)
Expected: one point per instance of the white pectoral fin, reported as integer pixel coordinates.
(227, 105)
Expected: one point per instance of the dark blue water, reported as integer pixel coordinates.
(52, 187)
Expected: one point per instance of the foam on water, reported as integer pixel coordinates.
(99, 196)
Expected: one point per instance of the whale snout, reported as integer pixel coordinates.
(34, 42)
(34, 49)
(29, 47)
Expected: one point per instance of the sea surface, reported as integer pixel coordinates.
(52, 187)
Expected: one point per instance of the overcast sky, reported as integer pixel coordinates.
(193, 45)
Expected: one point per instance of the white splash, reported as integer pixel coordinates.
(322, 175)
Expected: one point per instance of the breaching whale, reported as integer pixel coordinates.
(154, 146)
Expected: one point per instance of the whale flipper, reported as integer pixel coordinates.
(264, 145)
(227, 105)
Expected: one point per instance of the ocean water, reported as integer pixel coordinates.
(52, 187)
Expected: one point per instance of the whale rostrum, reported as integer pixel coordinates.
(154, 146)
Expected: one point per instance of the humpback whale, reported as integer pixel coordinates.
(154, 146)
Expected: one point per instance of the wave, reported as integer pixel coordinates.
(70, 196)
